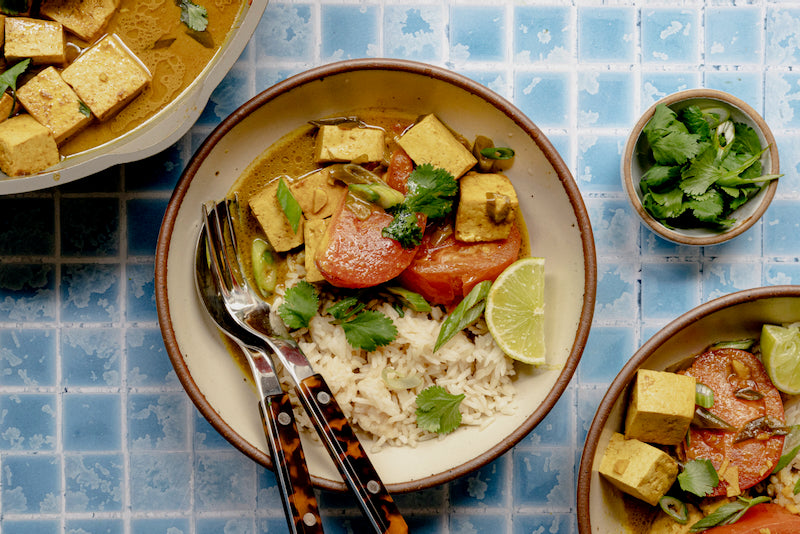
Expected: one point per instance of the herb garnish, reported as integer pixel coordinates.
(9, 79)
(437, 410)
(301, 303)
(727, 513)
(364, 329)
(193, 15)
(467, 312)
(702, 168)
(430, 191)
(698, 477)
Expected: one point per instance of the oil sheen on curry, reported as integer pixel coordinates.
(89, 71)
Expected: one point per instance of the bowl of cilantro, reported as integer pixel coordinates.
(700, 167)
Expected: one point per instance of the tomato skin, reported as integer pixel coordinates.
(400, 167)
(754, 458)
(445, 270)
(354, 254)
(761, 518)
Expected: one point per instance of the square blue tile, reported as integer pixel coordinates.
(544, 478)
(28, 357)
(286, 31)
(657, 85)
(545, 97)
(89, 227)
(656, 246)
(206, 436)
(94, 482)
(157, 422)
(92, 422)
(105, 181)
(599, 159)
(147, 363)
(615, 226)
(543, 34)
(484, 487)
(95, 526)
(224, 481)
(31, 484)
(166, 525)
(141, 292)
(161, 482)
(733, 35)
(234, 90)
(414, 32)
(608, 349)
(349, 31)
(606, 35)
(789, 151)
(747, 86)
(272, 524)
(745, 244)
(144, 223)
(558, 426)
(616, 292)
(28, 422)
(90, 357)
(159, 173)
(670, 36)
(604, 100)
(589, 399)
(435, 497)
(240, 525)
(477, 33)
(90, 292)
(781, 273)
(563, 146)
(32, 526)
(782, 91)
(783, 36)
(561, 523)
(28, 226)
(669, 289)
(478, 522)
(27, 292)
(427, 524)
(721, 278)
(493, 79)
(781, 229)
(268, 75)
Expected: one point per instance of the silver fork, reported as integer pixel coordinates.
(252, 313)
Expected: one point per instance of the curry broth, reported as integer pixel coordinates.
(153, 31)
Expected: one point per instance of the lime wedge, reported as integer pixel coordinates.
(515, 310)
(780, 353)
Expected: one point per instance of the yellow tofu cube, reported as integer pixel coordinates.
(85, 18)
(430, 141)
(26, 147)
(314, 230)
(52, 102)
(40, 40)
(339, 143)
(638, 468)
(317, 193)
(486, 207)
(2, 30)
(8, 106)
(661, 407)
(107, 76)
(273, 220)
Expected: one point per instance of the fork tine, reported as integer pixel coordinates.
(215, 246)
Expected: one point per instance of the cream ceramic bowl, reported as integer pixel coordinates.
(747, 214)
(160, 131)
(556, 218)
(736, 316)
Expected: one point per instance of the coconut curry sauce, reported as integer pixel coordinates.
(152, 29)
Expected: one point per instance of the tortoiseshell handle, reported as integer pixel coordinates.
(294, 481)
(350, 457)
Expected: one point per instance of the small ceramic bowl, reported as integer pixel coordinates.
(634, 164)
(603, 508)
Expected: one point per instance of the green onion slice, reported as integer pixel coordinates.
(497, 152)
(675, 508)
(703, 395)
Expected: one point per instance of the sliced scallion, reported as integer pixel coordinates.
(675, 508)
(703, 395)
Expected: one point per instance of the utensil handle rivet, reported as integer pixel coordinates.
(323, 397)
(309, 519)
(284, 418)
(373, 487)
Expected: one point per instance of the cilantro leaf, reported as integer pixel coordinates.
(300, 305)
(194, 16)
(438, 410)
(345, 308)
(696, 122)
(369, 330)
(289, 205)
(9, 76)
(430, 191)
(698, 477)
(404, 228)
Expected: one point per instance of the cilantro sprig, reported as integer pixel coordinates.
(193, 15)
(702, 167)
(363, 329)
(698, 477)
(438, 410)
(8, 79)
(301, 303)
(429, 191)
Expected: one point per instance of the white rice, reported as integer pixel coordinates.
(781, 485)
(470, 364)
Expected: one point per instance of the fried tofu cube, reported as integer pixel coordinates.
(107, 76)
(486, 207)
(40, 40)
(8, 106)
(638, 468)
(314, 230)
(661, 407)
(339, 143)
(318, 194)
(2, 30)
(52, 102)
(26, 147)
(85, 18)
(273, 220)
(430, 141)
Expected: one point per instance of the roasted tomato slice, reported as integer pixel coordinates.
(353, 253)
(749, 461)
(445, 270)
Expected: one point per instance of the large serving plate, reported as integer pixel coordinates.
(160, 131)
(556, 218)
(739, 315)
